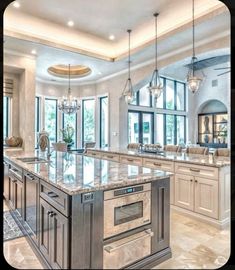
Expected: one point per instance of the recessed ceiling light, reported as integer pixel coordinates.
(111, 37)
(34, 52)
(99, 73)
(16, 4)
(70, 23)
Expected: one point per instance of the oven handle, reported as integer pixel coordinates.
(111, 249)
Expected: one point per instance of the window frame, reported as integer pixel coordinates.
(56, 100)
(8, 116)
(82, 118)
(100, 118)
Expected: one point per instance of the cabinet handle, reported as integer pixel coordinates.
(157, 164)
(30, 176)
(194, 170)
(131, 160)
(14, 180)
(51, 194)
(110, 156)
(52, 214)
(49, 213)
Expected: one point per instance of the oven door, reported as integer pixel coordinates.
(127, 212)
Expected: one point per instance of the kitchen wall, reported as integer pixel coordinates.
(25, 67)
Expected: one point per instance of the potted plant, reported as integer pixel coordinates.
(67, 135)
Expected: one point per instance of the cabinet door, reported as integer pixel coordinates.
(44, 238)
(6, 189)
(59, 240)
(184, 191)
(19, 197)
(206, 197)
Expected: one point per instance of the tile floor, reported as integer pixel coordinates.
(195, 245)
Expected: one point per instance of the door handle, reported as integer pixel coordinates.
(194, 170)
(157, 164)
(110, 248)
(51, 194)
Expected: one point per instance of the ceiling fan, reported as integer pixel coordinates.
(222, 68)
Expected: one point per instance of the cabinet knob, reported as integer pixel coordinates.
(49, 213)
(191, 180)
(52, 214)
(195, 181)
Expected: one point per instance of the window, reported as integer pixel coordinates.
(6, 116)
(170, 95)
(174, 131)
(88, 121)
(37, 120)
(51, 118)
(104, 121)
(71, 120)
(169, 110)
(140, 127)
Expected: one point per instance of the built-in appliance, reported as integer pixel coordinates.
(126, 209)
(31, 205)
(127, 250)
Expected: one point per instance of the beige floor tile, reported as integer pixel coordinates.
(19, 254)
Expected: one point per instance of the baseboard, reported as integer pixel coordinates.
(214, 222)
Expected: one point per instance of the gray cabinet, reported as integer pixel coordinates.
(54, 235)
(6, 188)
(12, 192)
(19, 199)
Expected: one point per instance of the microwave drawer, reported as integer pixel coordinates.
(128, 250)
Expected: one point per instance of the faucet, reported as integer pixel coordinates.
(47, 143)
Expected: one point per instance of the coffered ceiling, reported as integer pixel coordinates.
(42, 26)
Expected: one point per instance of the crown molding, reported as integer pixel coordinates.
(13, 52)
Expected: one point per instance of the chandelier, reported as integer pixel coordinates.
(155, 85)
(69, 104)
(193, 81)
(128, 92)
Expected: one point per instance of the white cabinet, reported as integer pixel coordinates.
(197, 194)
(206, 197)
(184, 191)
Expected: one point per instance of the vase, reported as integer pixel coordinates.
(43, 140)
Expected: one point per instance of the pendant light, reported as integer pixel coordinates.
(155, 85)
(128, 92)
(69, 104)
(193, 81)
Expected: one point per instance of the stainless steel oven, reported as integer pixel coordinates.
(126, 208)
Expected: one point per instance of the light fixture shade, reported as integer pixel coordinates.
(155, 86)
(194, 83)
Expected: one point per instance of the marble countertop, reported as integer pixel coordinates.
(205, 160)
(78, 173)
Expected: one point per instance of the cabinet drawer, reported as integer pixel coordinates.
(131, 160)
(159, 164)
(55, 197)
(110, 156)
(196, 170)
(94, 154)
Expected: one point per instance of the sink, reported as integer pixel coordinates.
(31, 160)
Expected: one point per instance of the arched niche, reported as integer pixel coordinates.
(212, 106)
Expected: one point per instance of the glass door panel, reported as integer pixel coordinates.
(147, 128)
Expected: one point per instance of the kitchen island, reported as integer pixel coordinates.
(81, 212)
(199, 186)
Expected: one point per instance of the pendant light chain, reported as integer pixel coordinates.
(69, 90)
(156, 40)
(129, 57)
(193, 37)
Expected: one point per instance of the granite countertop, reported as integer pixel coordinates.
(78, 173)
(205, 160)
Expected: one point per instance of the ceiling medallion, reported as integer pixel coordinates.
(61, 71)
